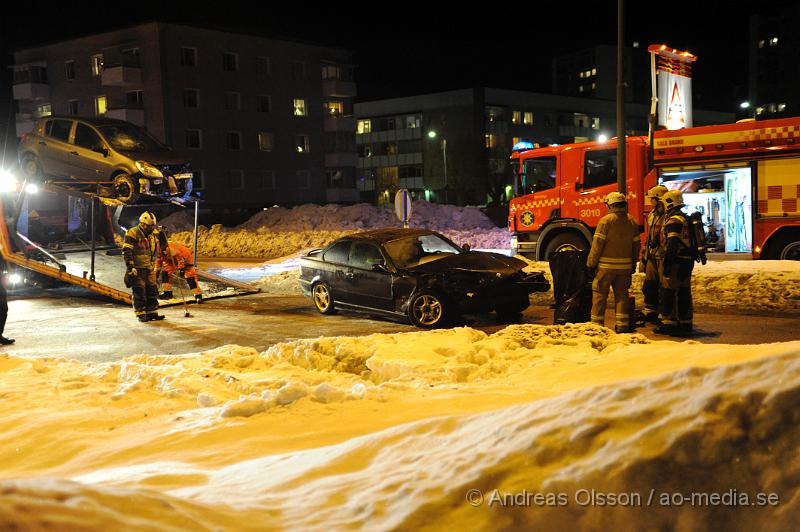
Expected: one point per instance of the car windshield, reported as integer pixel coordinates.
(415, 250)
(127, 137)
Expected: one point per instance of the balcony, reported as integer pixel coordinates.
(121, 76)
(130, 113)
(31, 84)
(338, 88)
(417, 183)
(334, 123)
(341, 160)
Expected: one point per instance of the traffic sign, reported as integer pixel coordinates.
(402, 206)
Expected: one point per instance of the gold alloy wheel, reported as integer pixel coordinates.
(322, 297)
(427, 309)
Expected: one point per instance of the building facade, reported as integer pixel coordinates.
(773, 71)
(454, 146)
(262, 121)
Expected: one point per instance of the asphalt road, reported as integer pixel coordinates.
(72, 323)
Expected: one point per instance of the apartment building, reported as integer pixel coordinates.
(262, 121)
(454, 146)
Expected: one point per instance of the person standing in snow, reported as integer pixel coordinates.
(140, 251)
(3, 306)
(614, 254)
(652, 253)
(175, 258)
(675, 292)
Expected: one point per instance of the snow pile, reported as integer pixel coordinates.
(397, 431)
(277, 231)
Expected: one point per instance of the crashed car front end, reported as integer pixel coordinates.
(484, 292)
(165, 180)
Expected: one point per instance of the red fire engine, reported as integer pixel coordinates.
(743, 177)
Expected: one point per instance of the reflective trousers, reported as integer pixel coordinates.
(650, 286)
(675, 294)
(145, 292)
(620, 282)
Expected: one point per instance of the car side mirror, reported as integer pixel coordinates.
(101, 149)
(466, 247)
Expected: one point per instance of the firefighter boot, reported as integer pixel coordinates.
(167, 294)
(155, 317)
(143, 318)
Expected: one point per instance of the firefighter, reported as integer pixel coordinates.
(3, 305)
(675, 294)
(652, 253)
(177, 259)
(140, 251)
(614, 254)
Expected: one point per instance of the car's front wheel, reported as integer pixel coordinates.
(323, 300)
(126, 187)
(427, 309)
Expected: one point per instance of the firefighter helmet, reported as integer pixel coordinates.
(657, 191)
(148, 218)
(614, 198)
(673, 198)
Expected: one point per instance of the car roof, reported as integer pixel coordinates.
(388, 234)
(94, 120)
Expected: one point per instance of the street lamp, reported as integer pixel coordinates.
(432, 135)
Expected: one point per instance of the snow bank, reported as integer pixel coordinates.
(396, 431)
(276, 232)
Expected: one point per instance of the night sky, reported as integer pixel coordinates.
(410, 47)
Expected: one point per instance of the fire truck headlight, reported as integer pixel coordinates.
(8, 181)
(32, 188)
(15, 278)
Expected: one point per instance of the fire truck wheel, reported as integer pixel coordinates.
(126, 187)
(565, 241)
(788, 247)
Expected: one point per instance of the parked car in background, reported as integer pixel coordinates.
(417, 274)
(100, 155)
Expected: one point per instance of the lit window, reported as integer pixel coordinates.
(761, 43)
(188, 56)
(265, 141)
(364, 126)
(99, 105)
(781, 107)
(299, 107)
(331, 72)
(334, 108)
(582, 74)
(773, 41)
(412, 121)
(194, 139)
(594, 72)
(491, 140)
(44, 110)
(97, 64)
(594, 85)
(301, 144)
(759, 110)
(230, 62)
(580, 89)
(528, 118)
(595, 122)
(516, 117)
(69, 69)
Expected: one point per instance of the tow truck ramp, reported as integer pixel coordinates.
(74, 236)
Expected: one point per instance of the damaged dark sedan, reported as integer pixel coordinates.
(417, 274)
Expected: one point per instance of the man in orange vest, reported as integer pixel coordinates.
(176, 259)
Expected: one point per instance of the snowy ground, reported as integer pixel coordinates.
(400, 430)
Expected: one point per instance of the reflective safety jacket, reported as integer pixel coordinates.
(181, 256)
(616, 242)
(675, 237)
(139, 250)
(652, 246)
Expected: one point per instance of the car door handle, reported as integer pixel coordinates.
(350, 275)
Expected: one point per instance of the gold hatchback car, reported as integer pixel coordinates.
(108, 157)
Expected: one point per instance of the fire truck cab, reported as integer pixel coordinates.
(744, 178)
